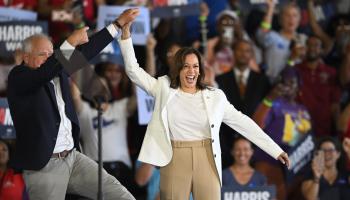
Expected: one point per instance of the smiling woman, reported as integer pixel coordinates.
(183, 134)
(187, 72)
(240, 173)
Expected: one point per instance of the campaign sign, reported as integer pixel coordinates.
(140, 28)
(176, 11)
(248, 193)
(7, 131)
(247, 5)
(12, 14)
(300, 155)
(13, 33)
(145, 106)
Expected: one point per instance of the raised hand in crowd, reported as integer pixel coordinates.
(317, 165)
(270, 10)
(78, 37)
(204, 9)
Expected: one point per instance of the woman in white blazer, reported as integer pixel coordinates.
(182, 137)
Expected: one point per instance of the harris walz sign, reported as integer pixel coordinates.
(7, 131)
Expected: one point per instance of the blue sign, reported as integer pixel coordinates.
(7, 131)
(300, 155)
(248, 193)
(13, 33)
(12, 14)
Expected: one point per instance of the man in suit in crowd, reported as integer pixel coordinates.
(244, 89)
(46, 124)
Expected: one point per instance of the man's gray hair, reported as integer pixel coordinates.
(28, 42)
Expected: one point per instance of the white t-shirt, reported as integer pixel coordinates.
(187, 117)
(114, 132)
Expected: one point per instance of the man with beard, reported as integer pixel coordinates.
(319, 91)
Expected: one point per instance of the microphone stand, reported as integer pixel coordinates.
(99, 100)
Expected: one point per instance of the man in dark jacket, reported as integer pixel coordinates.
(46, 124)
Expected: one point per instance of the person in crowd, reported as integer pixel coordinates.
(66, 15)
(335, 40)
(343, 123)
(327, 180)
(185, 123)
(219, 53)
(20, 4)
(46, 124)
(319, 92)
(12, 184)
(241, 173)
(147, 174)
(6, 64)
(115, 154)
(285, 121)
(112, 70)
(277, 44)
(244, 89)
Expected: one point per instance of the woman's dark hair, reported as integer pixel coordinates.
(238, 138)
(179, 61)
(330, 139)
(338, 147)
(8, 147)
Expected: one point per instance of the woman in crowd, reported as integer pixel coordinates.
(241, 173)
(277, 44)
(327, 180)
(183, 134)
(11, 183)
(285, 121)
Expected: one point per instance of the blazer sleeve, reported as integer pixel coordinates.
(96, 44)
(249, 129)
(137, 75)
(24, 79)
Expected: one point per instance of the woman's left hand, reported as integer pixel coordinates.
(283, 157)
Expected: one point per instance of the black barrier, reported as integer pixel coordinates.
(248, 193)
(7, 131)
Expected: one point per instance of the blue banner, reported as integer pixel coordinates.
(11, 14)
(248, 193)
(7, 131)
(13, 33)
(300, 156)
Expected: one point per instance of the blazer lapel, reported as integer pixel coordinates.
(51, 90)
(164, 111)
(64, 87)
(207, 102)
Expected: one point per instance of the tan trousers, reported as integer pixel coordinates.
(192, 169)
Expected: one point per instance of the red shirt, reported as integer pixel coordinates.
(318, 91)
(12, 186)
(20, 4)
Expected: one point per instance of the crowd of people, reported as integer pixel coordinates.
(284, 66)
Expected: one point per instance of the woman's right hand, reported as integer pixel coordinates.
(126, 31)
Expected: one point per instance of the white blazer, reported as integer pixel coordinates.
(156, 147)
